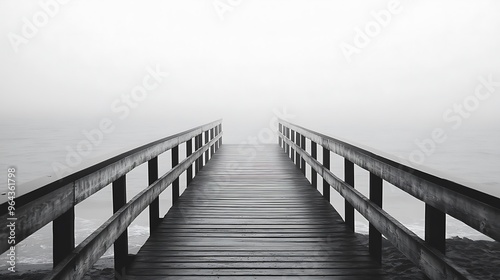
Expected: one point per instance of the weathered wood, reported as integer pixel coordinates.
(94, 246)
(433, 263)
(189, 151)
(280, 142)
(120, 247)
(375, 237)
(63, 236)
(258, 219)
(349, 179)
(37, 206)
(212, 149)
(197, 145)
(36, 214)
(206, 153)
(435, 228)
(449, 197)
(297, 157)
(154, 207)
(326, 164)
(175, 183)
(287, 135)
(302, 161)
(314, 155)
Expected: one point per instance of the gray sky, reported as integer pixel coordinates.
(241, 60)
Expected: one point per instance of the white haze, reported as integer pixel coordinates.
(264, 56)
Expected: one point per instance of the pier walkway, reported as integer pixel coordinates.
(252, 218)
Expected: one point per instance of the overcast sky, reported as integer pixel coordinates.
(242, 59)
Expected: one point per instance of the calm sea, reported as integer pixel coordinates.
(33, 147)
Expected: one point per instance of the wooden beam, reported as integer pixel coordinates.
(154, 207)
(175, 183)
(63, 236)
(435, 228)
(121, 243)
(189, 171)
(375, 237)
(326, 165)
(314, 174)
(349, 179)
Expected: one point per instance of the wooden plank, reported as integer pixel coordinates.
(259, 218)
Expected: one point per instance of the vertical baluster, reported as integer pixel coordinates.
(292, 150)
(206, 152)
(349, 179)
(435, 228)
(287, 147)
(189, 171)
(326, 165)
(175, 183)
(63, 235)
(375, 237)
(212, 136)
(302, 160)
(216, 142)
(154, 207)
(121, 244)
(314, 174)
(197, 164)
(297, 156)
(220, 131)
(280, 127)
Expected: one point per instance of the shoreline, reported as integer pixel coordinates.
(479, 257)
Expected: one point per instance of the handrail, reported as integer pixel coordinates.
(478, 210)
(55, 200)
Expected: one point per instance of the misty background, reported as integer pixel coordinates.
(248, 62)
(259, 56)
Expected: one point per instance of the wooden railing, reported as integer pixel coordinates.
(55, 201)
(476, 209)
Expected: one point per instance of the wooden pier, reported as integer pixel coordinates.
(252, 218)
(248, 212)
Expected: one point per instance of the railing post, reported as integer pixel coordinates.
(375, 237)
(220, 139)
(197, 164)
(314, 155)
(280, 128)
(297, 156)
(302, 160)
(326, 165)
(292, 151)
(212, 136)
(154, 207)
(349, 179)
(63, 236)
(435, 228)
(206, 152)
(121, 244)
(287, 147)
(175, 183)
(189, 171)
(216, 128)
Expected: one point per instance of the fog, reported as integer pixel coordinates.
(360, 64)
